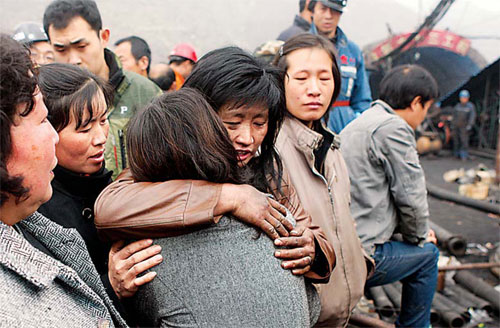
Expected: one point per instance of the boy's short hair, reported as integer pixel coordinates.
(403, 83)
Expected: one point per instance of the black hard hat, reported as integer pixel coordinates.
(28, 33)
(337, 5)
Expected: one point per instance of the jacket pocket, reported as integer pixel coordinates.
(349, 75)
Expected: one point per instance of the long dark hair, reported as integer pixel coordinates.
(231, 77)
(69, 91)
(305, 41)
(179, 136)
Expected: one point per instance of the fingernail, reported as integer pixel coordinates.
(157, 248)
(277, 254)
(278, 242)
(293, 232)
(150, 241)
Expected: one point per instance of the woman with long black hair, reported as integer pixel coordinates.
(222, 275)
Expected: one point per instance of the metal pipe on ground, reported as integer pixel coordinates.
(383, 304)
(469, 298)
(360, 320)
(460, 309)
(448, 315)
(479, 287)
(455, 244)
(483, 154)
(462, 200)
(468, 266)
(394, 294)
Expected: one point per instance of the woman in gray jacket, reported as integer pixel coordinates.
(224, 275)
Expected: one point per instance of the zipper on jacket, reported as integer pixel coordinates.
(332, 203)
(122, 149)
(115, 153)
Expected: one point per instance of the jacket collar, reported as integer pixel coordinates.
(17, 254)
(85, 186)
(340, 39)
(301, 23)
(116, 75)
(384, 105)
(387, 108)
(306, 138)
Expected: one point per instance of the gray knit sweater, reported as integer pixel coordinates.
(224, 276)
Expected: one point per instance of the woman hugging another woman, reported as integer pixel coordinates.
(221, 275)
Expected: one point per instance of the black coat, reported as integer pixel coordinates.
(72, 206)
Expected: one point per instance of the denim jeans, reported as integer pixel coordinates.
(416, 267)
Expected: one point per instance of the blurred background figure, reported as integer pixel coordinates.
(134, 54)
(157, 70)
(165, 78)
(355, 95)
(301, 22)
(268, 50)
(78, 37)
(33, 37)
(464, 115)
(182, 60)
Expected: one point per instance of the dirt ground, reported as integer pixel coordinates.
(476, 226)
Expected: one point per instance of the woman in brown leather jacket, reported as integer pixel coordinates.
(311, 79)
(224, 274)
(248, 97)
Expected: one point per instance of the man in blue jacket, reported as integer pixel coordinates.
(355, 96)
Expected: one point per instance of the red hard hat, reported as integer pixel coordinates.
(184, 50)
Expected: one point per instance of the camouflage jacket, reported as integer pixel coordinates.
(132, 92)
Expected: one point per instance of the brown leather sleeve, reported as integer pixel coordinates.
(325, 262)
(134, 210)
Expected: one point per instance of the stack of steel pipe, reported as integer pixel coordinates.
(480, 288)
(447, 311)
(394, 294)
(382, 303)
(455, 244)
(464, 297)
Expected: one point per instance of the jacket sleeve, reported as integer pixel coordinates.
(361, 97)
(134, 210)
(324, 261)
(407, 182)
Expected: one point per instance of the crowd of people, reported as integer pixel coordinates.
(237, 189)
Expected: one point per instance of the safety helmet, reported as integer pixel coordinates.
(464, 94)
(28, 33)
(184, 50)
(337, 5)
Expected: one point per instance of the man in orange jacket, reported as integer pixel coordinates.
(182, 60)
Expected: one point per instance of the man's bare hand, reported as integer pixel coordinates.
(301, 250)
(127, 263)
(431, 237)
(254, 208)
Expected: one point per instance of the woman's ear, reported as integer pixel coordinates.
(415, 102)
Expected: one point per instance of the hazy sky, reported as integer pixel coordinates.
(209, 24)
